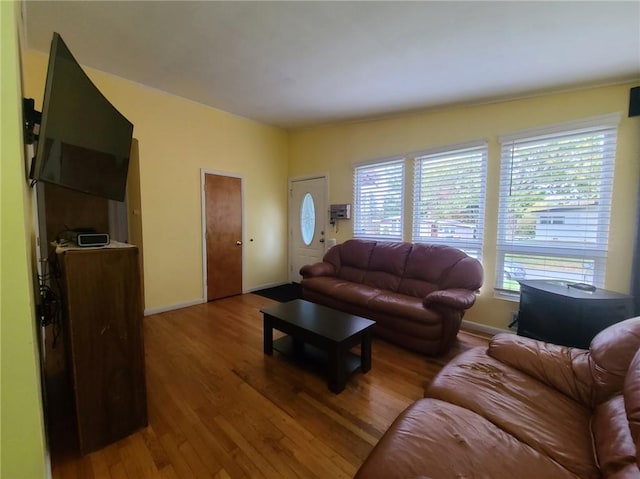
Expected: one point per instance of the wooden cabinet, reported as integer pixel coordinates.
(105, 350)
(552, 312)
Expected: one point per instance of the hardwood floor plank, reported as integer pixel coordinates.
(157, 452)
(136, 458)
(219, 408)
(313, 455)
(222, 475)
(179, 463)
(213, 447)
(339, 419)
(169, 472)
(111, 454)
(201, 448)
(99, 466)
(192, 458)
(117, 471)
(265, 468)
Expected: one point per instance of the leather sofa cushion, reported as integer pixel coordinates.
(612, 350)
(589, 376)
(429, 262)
(386, 302)
(351, 259)
(407, 307)
(381, 280)
(386, 265)
(342, 289)
(632, 400)
(356, 254)
(436, 439)
(390, 258)
(563, 368)
(612, 437)
(349, 273)
(629, 472)
(416, 287)
(538, 415)
(431, 267)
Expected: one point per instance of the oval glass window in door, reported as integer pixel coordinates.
(307, 219)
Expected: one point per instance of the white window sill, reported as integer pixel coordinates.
(507, 296)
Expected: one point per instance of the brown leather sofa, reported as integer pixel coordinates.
(416, 293)
(523, 409)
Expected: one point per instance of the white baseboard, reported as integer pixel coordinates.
(163, 309)
(47, 464)
(483, 328)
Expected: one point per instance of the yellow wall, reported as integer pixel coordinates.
(22, 442)
(175, 139)
(334, 149)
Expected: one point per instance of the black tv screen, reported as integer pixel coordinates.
(84, 142)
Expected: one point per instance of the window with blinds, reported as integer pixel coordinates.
(379, 200)
(554, 205)
(449, 197)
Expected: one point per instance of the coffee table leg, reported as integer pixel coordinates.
(365, 352)
(337, 374)
(267, 335)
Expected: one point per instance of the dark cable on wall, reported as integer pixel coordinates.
(49, 308)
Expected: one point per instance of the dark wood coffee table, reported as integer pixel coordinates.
(318, 333)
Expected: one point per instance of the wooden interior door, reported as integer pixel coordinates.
(223, 209)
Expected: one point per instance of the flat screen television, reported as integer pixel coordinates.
(84, 142)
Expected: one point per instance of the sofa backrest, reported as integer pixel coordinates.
(351, 259)
(611, 352)
(441, 266)
(412, 269)
(632, 401)
(387, 265)
(616, 427)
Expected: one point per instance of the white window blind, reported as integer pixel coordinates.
(378, 202)
(449, 198)
(555, 202)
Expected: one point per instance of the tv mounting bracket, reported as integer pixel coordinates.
(30, 118)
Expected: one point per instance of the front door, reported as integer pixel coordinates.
(307, 223)
(223, 216)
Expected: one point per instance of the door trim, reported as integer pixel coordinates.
(203, 224)
(325, 214)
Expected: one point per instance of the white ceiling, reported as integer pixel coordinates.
(303, 63)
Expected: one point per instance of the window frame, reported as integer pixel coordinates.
(595, 254)
(471, 246)
(357, 196)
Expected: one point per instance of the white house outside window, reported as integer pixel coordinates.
(449, 197)
(555, 202)
(379, 200)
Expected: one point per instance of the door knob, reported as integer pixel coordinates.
(321, 240)
(239, 242)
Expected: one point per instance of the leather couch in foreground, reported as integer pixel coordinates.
(523, 409)
(416, 293)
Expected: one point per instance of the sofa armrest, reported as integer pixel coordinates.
(318, 269)
(560, 367)
(455, 298)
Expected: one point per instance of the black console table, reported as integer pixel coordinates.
(553, 312)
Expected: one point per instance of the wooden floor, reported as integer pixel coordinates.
(220, 408)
